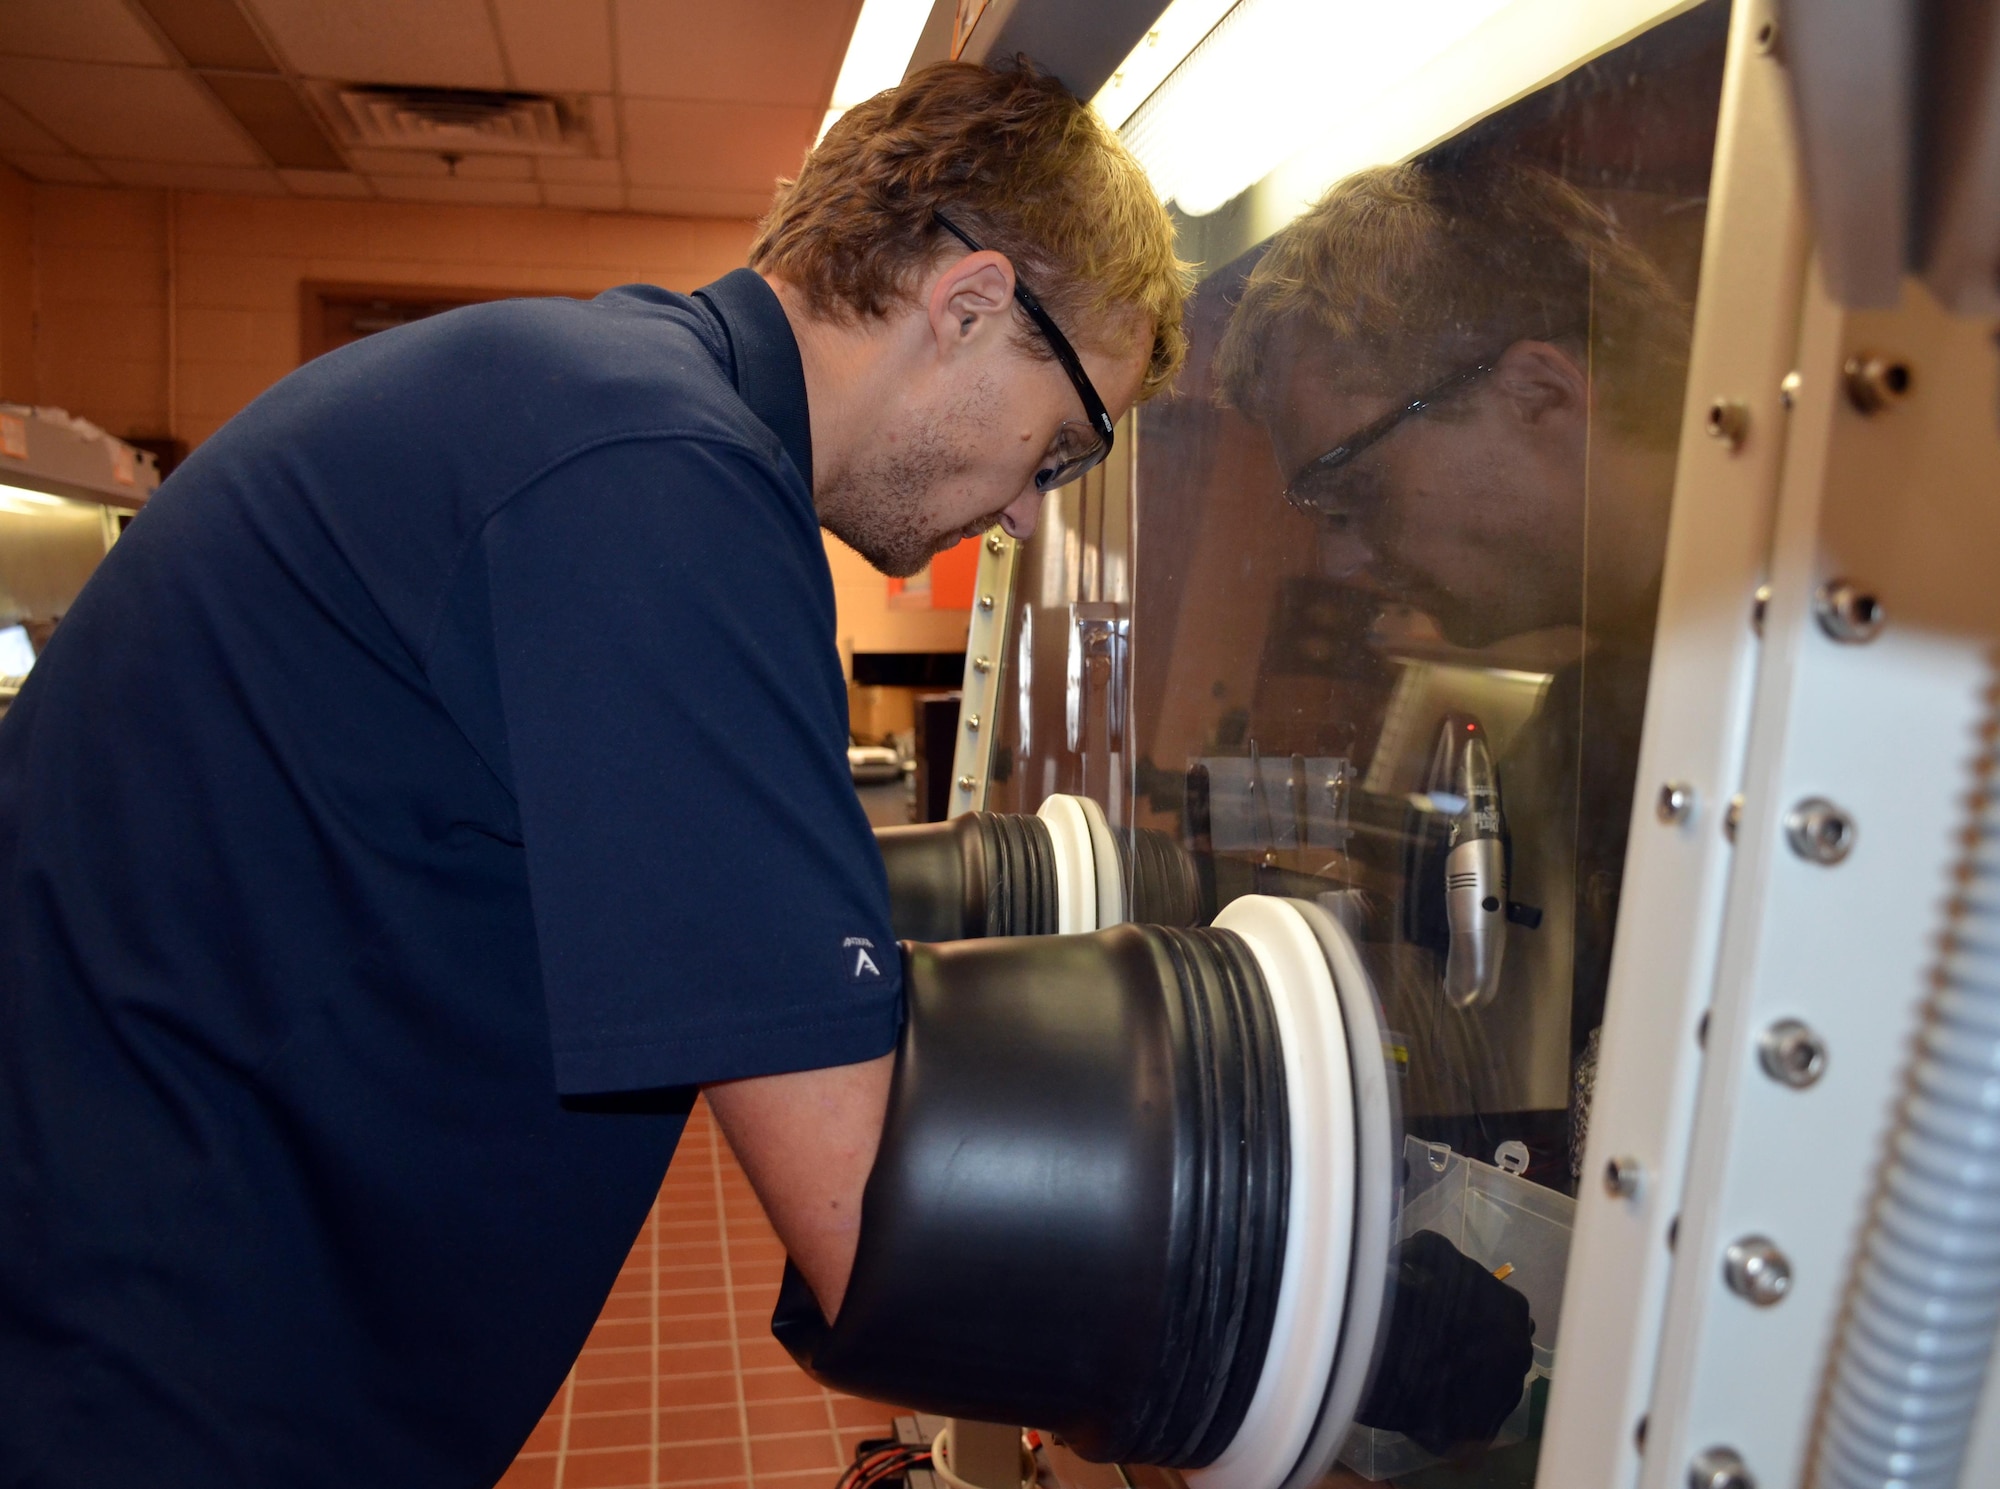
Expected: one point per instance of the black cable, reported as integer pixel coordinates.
(879, 1459)
(890, 1468)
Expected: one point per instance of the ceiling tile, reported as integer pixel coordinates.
(325, 183)
(600, 112)
(210, 33)
(231, 179)
(714, 146)
(20, 133)
(495, 168)
(722, 97)
(557, 46)
(79, 31)
(446, 43)
(397, 163)
(746, 51)
(579, 169)
(126, 113)
(459, 190)
(423, 165)
(66, 168)
(272, 113)
(597, 198)
(673, 202)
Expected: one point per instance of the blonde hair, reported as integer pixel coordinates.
(1401, 274)
(1017, 162)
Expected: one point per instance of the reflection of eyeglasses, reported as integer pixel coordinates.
(1077, 447)
(1300, 490)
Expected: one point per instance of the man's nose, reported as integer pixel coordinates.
(1020, 516)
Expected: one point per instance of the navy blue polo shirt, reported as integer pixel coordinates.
(443, 775)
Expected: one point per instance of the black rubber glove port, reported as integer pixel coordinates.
(980, 874)
(1163, 883)
(1077, 1214)
(994, 874)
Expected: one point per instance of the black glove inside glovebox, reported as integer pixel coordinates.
(1456, 1351)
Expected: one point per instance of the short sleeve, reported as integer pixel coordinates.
(708, 899)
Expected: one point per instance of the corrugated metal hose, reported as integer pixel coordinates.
(1912, 1356)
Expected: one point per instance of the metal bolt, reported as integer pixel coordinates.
(1788, 390)
(1757, 1270)
(1732, 819)
(1848, 612)
(972, 723)
(982, 664)
(1719, 1468)
(1676, 803)
(1728, 421)
(994, 543)
(986, 602)
(1623, 1177)
(1791, 1054)
(1819, 831)
(1760, 605)
(1875, 383)
(966, 783)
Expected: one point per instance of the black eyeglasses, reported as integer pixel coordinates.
(1300, 490)
(1077, 447)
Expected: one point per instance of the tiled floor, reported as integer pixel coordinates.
(681, 1383)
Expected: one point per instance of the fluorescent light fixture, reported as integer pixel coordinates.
(24, 503)
(17, 653)
(1271, 74)
(1179, 29)
(1323, 88)
(877, 54)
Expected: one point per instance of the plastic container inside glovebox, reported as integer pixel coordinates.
(1500, 1220)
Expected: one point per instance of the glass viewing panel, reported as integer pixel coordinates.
(1374, 623)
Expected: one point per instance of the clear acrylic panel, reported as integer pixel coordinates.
(1379, 584)
(1065, 687)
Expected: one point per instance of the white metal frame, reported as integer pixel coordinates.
(1659, 1359)
(979, 694)
(1903, 501)
(1705, 662)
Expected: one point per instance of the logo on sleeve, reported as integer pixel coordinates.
(864, 964)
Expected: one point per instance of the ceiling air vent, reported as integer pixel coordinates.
(459, 121)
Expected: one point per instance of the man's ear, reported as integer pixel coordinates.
(1542, 381)
(971, 298)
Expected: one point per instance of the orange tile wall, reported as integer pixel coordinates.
(17, 290)
(167, 312)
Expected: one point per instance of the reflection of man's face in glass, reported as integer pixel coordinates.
(1471, 509)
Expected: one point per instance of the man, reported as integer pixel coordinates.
(1472, 377)
(446, 775)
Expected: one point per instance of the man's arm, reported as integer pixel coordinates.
(807, 1140)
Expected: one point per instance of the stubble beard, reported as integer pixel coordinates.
(879, 509)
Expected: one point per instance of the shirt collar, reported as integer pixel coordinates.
(765, 355)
